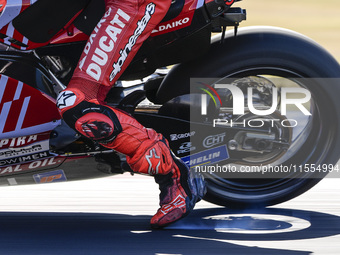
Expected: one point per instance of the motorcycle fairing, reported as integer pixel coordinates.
(8, 34)
(29, 122)
(45, 18)
(179, 16)
(17, 142)
(18, 150)
(25, 110)
(27, 25)
(43, 163)
(42, 23)
(10, 10)
(74, 168)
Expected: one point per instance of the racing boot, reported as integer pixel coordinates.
(180, 190)
(146, 151)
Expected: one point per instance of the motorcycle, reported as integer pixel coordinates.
(255, 109)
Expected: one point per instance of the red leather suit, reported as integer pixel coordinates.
(109, 50)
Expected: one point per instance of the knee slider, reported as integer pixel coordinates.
(94, 121)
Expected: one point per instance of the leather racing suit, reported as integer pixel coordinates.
(109, 50)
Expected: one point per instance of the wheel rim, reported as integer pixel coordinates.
(301, 138)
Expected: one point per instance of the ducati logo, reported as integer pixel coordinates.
(153, 159)
(65, 99)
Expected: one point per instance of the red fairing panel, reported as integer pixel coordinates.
(25, 110)
(11, 10)
(13, 38)
(181, 21)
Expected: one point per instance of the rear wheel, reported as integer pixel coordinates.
(288, 60)
(301, 162)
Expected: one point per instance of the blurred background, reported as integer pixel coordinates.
(317, 19)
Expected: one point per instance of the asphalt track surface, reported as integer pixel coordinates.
(111, 216)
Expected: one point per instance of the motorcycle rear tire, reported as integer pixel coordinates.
(258, 50)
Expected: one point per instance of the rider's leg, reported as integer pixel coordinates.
(109, 50)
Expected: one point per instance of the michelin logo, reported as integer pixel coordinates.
(206, 157)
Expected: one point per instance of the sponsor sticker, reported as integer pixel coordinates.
(185, 148)
(21, 141)
(25, 158)
(175, 137)
(206, 157)
(173, 25)
(25, 150)
(48, 162)
(213, 140)
(53, 176)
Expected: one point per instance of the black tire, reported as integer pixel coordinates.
(272, 51)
